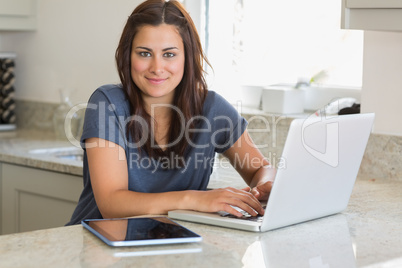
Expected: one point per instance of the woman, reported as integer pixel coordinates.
(149, 143)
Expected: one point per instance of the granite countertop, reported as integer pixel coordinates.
(366, 234)
(34, 149)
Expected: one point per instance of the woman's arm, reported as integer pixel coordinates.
(109, 179)
(252, 166)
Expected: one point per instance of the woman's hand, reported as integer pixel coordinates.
(254, 168)
(223, 200)
(265, 178)
(261, 191)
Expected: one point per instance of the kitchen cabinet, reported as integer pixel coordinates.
(34, 199)
(18, 15)
(376, 15)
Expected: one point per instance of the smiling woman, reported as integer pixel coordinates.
(150, 142)
(157, 62)
(157, 67)
(144, 29)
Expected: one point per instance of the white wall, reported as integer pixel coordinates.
(382, 80)
(73, 46)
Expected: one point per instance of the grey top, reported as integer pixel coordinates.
(106, 117)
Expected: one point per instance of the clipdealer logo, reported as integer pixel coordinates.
(327, 139)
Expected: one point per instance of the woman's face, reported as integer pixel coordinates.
(157, 62)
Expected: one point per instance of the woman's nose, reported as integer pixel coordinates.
(156, 66)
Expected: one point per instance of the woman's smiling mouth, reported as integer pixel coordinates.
(156, 81)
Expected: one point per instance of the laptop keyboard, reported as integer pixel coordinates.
(246, 215)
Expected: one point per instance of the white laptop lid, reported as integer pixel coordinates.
(318, 169)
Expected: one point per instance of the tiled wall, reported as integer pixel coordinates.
(383, 158)
(35, 116)
(269, 134)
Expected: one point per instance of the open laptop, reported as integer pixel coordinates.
(318, 169)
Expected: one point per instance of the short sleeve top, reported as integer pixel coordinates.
(107, 116)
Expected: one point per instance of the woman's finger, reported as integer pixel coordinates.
(246, 201)
(247, 189)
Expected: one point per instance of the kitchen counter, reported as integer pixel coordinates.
(366, 234)
(34, 149)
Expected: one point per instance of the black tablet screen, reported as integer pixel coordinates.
(139, 229)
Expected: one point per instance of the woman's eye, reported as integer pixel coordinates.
(144, 54)
(169, 55)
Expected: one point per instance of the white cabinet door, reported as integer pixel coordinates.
(18, 15)
(377, 15)
(34, 199)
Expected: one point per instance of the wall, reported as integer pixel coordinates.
(73, 47)
(75, 43)
(382, 80)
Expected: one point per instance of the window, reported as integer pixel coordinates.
(264, 42)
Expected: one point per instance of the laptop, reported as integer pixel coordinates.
(315, 177)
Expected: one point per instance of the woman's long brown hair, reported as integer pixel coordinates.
(189, 94)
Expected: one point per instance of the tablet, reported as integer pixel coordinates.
(140, 231)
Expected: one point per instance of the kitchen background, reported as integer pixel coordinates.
(72, 46)
(74, 42)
